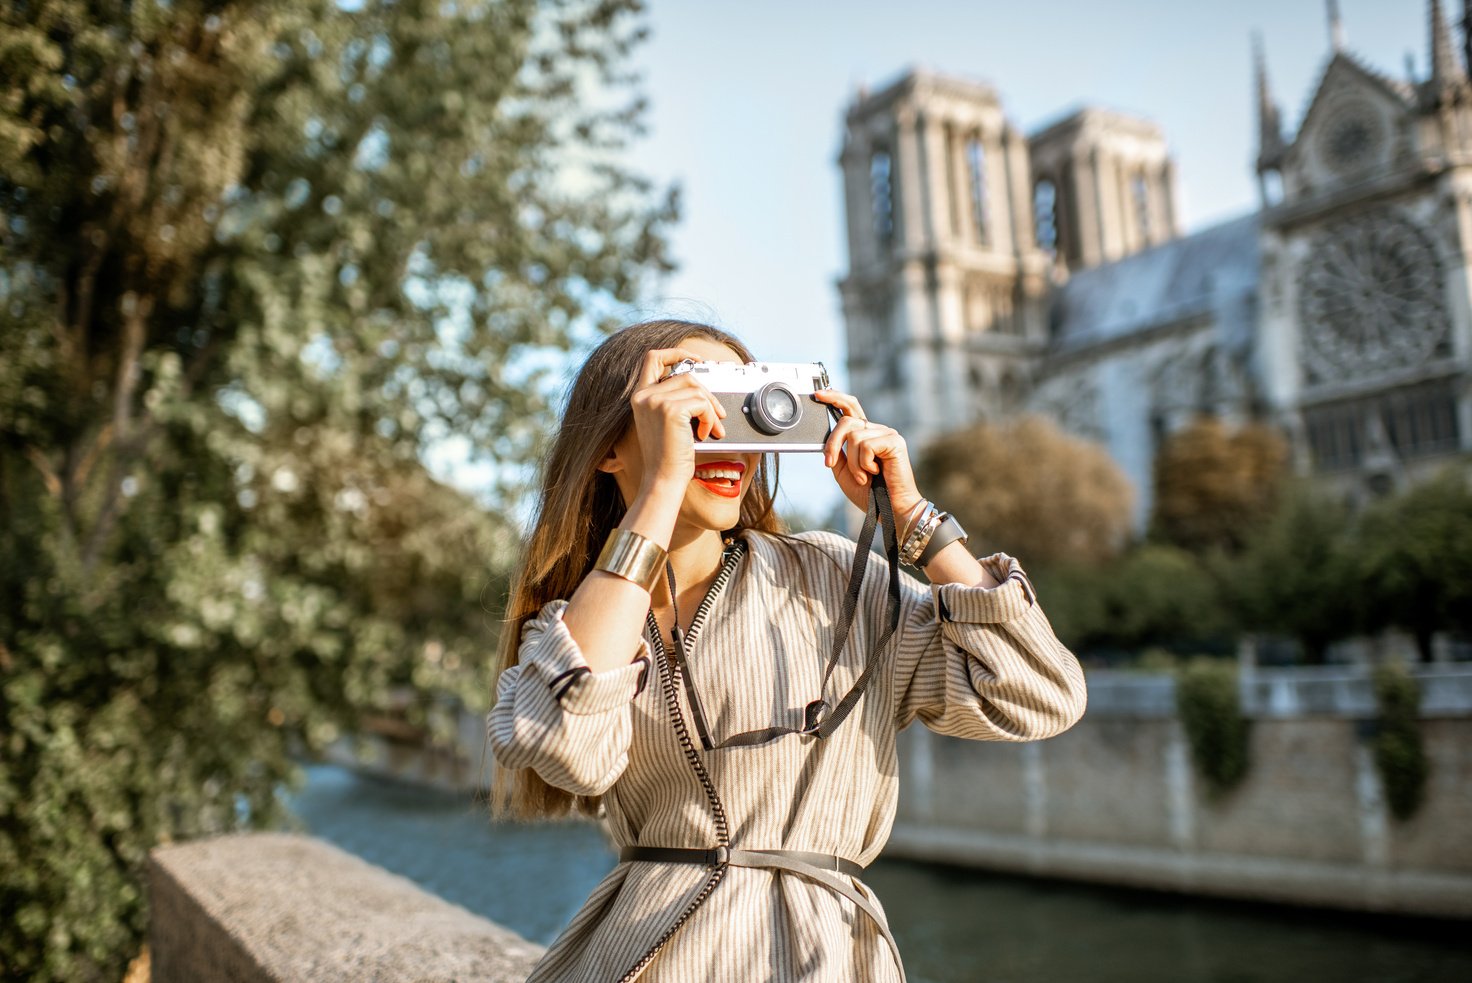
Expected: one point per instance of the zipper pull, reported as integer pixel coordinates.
(678, 636)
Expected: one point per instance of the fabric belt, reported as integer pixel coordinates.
(821, 867)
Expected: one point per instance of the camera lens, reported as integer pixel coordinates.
(775, 408)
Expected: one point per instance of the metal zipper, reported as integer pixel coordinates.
(706, 603)
(670, 681)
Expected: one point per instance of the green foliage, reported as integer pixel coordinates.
(1400, 753)
(1210, 709)
(255, 262)
(1297, 574)
(1414, 553)
(1153, 595)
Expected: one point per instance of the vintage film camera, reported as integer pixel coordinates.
(769, 405)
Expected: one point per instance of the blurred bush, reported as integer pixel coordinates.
(1413, 553)
(1210, 708)
(1214, 484)
(256, 262)
(1236, 545)
(1297, 575)
(1400, 752)
(1029, 489)
(1155, 595)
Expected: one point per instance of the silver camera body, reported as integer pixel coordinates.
(769, 405)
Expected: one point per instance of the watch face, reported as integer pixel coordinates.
(1351, 137)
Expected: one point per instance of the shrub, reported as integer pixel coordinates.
(1214, 484)
(1400, 754)
(1029, 489)
(1156, 596)
(1210, 708)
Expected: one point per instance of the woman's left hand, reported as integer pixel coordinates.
(859, 447)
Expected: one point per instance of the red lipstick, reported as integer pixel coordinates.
(724, 486)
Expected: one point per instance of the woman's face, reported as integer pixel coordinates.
(713, 498)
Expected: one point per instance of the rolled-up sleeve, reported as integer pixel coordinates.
(556, 716)
(984, 664)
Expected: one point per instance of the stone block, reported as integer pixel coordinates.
(253, 907)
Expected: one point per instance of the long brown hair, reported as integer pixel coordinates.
(576, 510)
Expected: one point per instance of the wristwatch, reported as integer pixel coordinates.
(949, 531)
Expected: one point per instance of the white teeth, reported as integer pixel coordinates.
(708, 473)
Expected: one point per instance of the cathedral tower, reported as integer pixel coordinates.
(943, 299)
(1105, 187)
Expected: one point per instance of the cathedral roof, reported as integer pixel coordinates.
(1212, 271)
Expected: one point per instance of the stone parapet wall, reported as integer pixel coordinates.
(1116, 799)
(259, 907)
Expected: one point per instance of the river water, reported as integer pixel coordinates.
(952, 925)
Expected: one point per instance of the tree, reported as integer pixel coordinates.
(1213, 484)
(255, 260)
(1152, 596)
(1028, 489)
(1414, 552)
(1297, 574)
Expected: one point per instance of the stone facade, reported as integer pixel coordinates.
(992, 273)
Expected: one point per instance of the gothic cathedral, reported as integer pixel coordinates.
(993, 272)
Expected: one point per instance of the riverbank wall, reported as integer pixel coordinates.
(1117, 800)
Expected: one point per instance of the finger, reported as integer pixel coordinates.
(854, 447)
(868, 447)
(685, 382)
(857, 447)
(716, 403)
(658, 360)
(833, 446)
(848, 404)
(872, 446)
(699, 409)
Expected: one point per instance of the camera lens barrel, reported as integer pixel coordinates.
(774, 408)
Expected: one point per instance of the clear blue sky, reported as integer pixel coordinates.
(746, 103)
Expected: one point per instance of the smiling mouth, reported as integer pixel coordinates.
(720, 477)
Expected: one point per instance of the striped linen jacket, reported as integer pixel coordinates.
(975, 663)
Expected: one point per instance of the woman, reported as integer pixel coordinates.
(600, 659)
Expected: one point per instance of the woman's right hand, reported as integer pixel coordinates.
(664, 407)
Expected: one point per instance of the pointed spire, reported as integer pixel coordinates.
(1336, 26)
(1446, 67)
(1269, 120)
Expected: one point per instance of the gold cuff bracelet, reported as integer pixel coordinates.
(629, 555)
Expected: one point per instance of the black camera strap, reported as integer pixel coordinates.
(819, 718)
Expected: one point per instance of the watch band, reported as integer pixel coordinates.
(947, 532)
(631, 556)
